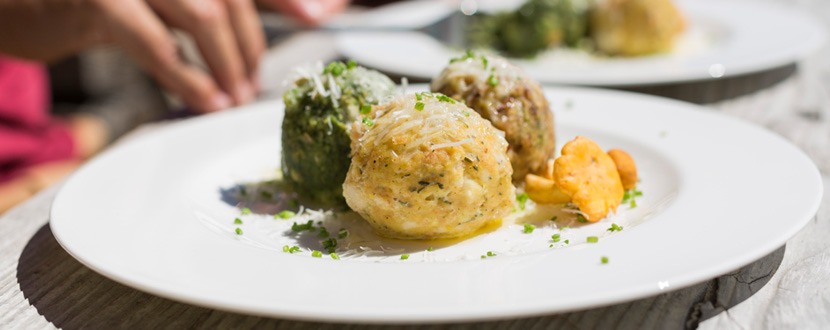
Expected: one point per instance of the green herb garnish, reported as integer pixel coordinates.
(404, 256)
(306, 226)
(324, 233)
(246, 211)
(366, 109)
(592, 239)
(491, 254)
(614, 227)
(581, 218)
(522, 199)
(316, 254)
(604, 259)
(419, 106)
(351, 64)
(284, 214)
(285, 248)
(555, 238)
(237, 221)
(430, 249)
(330, 244)
(294, 249)
(368, 121)
(335, 68)
(334, 256)
(238, 231)
(528, 228)
(492, 81)
(343, 233)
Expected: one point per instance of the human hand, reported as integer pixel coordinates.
(227, 33)
(307, 11)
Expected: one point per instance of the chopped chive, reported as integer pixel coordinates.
(633, 204)
(294, 249)
(614, 227)
(528, 228)
(419, 96)
(351, 64)
(285, 248)
(246, 211)
(592, 239)
(334, 256)
(466, 113)
(284, 214)
(368, 121)
(491, 254)
(343, 233)
(550, 246)
(492, 81)
(324, 233)
(556, 238)
(567, 241)
(306, 226)
(522, 199)
(330, 244)
(238, 231)
(444, 98)
(419, 106)
(404, 256)
(483, 256)
(316, 254)
(430, 249)
(604, 259)
(365, 109)
(581, 218)
(484, 61)
(237, 221)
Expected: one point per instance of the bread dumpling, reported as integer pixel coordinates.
(635, 27)
(503, 94)
(425, 166)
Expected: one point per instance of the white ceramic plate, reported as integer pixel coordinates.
(398, 15)
(718, 194)
(723, 39)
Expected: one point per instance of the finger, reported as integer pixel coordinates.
(249, 34)
(135, 27)
(208, 23)
(308, 11)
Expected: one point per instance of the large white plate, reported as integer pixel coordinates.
(724, 38)
(718, 194)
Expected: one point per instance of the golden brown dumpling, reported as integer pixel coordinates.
(425, 166)
(635, 27)
(503, 94)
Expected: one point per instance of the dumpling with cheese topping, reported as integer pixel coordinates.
(319, 109)
(503, 94)
(425, 166)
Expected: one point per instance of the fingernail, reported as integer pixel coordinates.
(313, 10)
(221, 101)
(243, 93)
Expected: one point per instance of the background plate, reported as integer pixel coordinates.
(723, 39)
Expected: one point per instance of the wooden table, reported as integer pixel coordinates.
(41, 286)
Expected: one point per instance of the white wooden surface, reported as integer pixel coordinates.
(43, 287)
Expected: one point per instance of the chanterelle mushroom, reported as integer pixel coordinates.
(588, 174)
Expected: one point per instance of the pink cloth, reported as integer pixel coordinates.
(28, 134)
